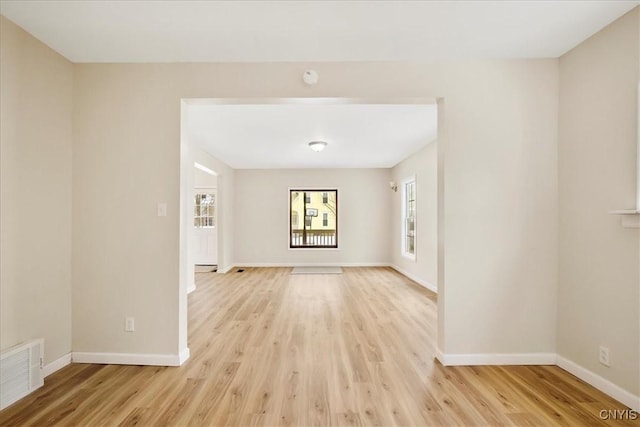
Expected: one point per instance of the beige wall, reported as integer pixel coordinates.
(363, 216)
(499, 130)
(35, 187)
(422, 165)
(499, 141)
(599, 282)
(500, 212)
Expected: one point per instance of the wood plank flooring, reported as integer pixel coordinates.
(273, 349)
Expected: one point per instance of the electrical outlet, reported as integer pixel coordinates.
(130, 324)
(603, 355)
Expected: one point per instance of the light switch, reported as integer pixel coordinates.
(162, 209)
(130, 324)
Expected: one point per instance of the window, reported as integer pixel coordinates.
(205, 214)
(307, 204)
(409, 218)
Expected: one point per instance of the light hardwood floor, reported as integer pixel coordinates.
(269, 348)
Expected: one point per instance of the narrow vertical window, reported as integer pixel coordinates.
(325, 198)
(409, 218)
(325, 219)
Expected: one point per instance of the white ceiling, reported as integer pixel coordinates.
(277, 135)
(228, 31)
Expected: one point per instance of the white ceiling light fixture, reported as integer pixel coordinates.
(317, 146)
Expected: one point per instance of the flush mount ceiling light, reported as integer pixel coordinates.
(317, 145)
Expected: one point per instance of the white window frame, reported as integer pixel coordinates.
(403, 219)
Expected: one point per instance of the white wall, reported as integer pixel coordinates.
(35, 188)
(599, 287)
(499, 131)
(262, 227)
(422, 165)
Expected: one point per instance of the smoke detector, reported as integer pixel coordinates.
(310, 77)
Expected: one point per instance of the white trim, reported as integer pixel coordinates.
(312, 264)
(623, 396)
(416, 279)
(312, 100)
(497, 359)
(600, 383)
(184, 355)
(226, 269)
(127, 358)
(56, 365)
(191, 288)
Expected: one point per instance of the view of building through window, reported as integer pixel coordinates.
(313, 218)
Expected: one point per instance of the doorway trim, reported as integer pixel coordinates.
(187, 161)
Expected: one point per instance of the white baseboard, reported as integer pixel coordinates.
(416, 279)
(600, 383)
(312, 264)
(129, 358)
(191, 288)
(56, 365)
(625, 397)
(226, 269)
(496, 359)
(184, 355)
